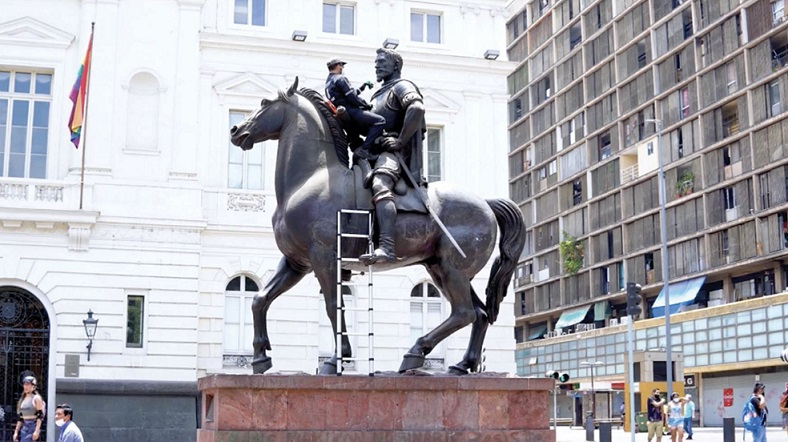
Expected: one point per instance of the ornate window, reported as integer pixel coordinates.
(238, 324)
(249, 12)
(426, 313)
(135, 315)
(244, 168)
(339, 18)
(25, 100)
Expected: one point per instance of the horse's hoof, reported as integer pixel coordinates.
(261, 365)
(411, 362)
(329, 367)
(457, 370)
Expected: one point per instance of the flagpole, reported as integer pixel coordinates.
(83, 134)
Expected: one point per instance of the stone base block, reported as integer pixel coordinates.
(243, 408)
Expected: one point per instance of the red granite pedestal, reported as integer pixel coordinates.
(252, 408)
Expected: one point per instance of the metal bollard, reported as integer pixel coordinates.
(728, 429)
(589, 429)
(605, 432)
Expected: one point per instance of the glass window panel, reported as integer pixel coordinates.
(729, 344)
(241, 12)
(701, 360)
(774, 311)
(759, 340)
(640, 335)
(5, 81)
(416, 321)
(235, 176)
(701, 335)
(38, 166)
(729, 357)
(728, 320)
(776, 323)
(715, 322)
(729, 332)
(743, 329)
(22, 82)
(715, 334)
(3, 126)
(689, 338)
(255, 177)
(775, 351)
(621, 337)
(231, 336)
(689, 361)
(758, 327)
(548, 358)
(609, 339)
(433, 28)
(653, 343)
(258, 12)
(689, 349)
(248, 311)
(758, 314)
(245, 344)
(785, 322)
(43, 84)
(743, 317)
(234, 285)
(346, 20)
(744, 342)
(715, 358)
(652, 332)
(675, 339)
(251, 286)
(254, 155)
(591, 352)
(329, 17)
(433, 315)
(134, 318)
(610, 359)
(702, 347)
(759, 354)
(715, 345)
(416, 26)
(776, 338)
(232, 310)
(640, 345)
(675, 329)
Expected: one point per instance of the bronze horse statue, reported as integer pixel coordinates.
(314, 181)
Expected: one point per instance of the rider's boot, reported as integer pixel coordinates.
(386, 216)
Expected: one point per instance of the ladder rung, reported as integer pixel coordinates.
(356, 284)
(365, 212)
(357, 309)
(354, 235)
(357, 334)
(358, 359)
(349, 259)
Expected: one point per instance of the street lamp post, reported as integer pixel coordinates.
(591, 366)
(664, 250)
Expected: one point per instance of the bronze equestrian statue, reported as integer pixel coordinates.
(313, 181)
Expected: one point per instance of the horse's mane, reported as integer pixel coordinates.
(337, 134)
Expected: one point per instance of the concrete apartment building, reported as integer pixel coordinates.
(583, 162)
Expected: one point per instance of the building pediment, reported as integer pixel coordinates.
(436, 102)
(247, 85)
(27, 31)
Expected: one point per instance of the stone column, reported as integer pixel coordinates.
(727, 288)
(186, 117)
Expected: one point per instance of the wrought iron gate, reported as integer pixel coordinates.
(24, 350)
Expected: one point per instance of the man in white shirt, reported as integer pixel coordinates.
(689, 415)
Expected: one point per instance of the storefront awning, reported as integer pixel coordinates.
(601, 311)
(681, 294)
(537, 332)
(571, 317)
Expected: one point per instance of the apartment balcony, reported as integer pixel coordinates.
(42, 194)
(630, 174)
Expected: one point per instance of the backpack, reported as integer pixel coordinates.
(749, 416)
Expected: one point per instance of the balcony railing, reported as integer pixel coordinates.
(629, 174)
(22, 192)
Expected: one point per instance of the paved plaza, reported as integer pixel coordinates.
(577, 434)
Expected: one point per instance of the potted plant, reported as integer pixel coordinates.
(571, 251)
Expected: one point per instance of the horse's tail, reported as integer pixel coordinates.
(512, 225)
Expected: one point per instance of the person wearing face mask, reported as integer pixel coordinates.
(654, 411)
(676, 418)
(67, 429)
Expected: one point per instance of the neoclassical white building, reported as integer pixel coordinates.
(173, 237)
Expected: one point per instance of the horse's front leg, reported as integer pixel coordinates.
(284, 279)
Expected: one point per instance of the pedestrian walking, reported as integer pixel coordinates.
(68, 430)
(654, 411)
(30, 409)
(689, 415)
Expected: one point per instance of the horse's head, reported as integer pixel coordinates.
(265, 123)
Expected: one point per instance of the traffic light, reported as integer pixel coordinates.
(633, 299)
(560, 377)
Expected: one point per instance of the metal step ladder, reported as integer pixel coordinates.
(368, 283)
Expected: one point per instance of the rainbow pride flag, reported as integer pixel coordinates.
(79, 95)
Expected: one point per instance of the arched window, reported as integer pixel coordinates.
(327, 338)
(426, 313)
(238, 325)
(142, 112)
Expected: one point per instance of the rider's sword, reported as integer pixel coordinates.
(425, 200)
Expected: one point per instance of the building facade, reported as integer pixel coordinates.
(601, 89)
(170, 237)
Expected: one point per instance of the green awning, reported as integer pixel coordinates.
(537, 332)
(601, 311)
(571, 317)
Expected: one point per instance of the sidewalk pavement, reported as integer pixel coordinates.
(704, 434)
